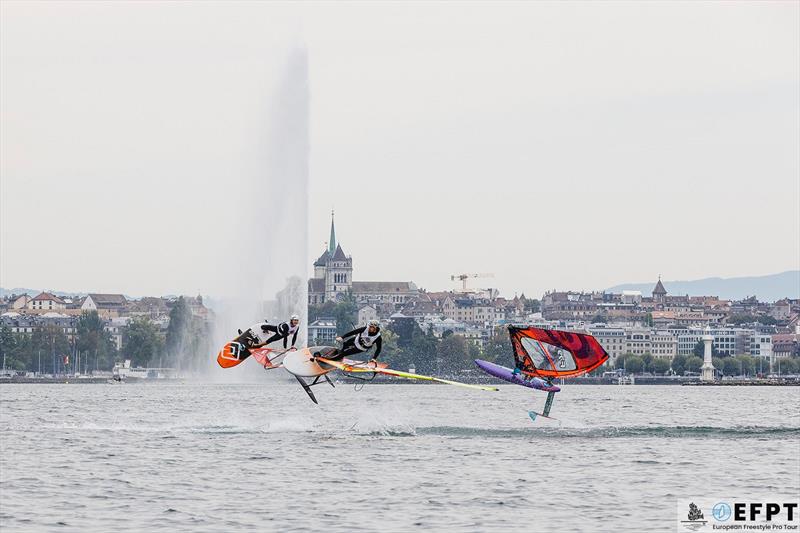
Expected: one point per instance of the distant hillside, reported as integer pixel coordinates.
(767, 288)
(34, 292)
(62, 294)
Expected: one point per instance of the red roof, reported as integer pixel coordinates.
(46, 296)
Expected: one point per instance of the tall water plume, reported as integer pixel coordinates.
(265, 261)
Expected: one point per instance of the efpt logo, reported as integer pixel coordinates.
(763, 515)
(773, 514)
(766, 511)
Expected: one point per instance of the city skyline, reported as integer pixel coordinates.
(788, 279)
(643, 288)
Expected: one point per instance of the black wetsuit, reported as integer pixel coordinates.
(349, 346)
(281, 331)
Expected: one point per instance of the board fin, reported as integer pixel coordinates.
(307, 389)
(548, 404)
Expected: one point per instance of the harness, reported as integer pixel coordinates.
(287, 329)
(364, 340)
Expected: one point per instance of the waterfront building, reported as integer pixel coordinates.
(28, 324)
(786, 345)
(726, 341)
(115, 329)
(611, 339)
(322, 332)
(19, 324)
(638, 341)
(664, 345)
(760, 345)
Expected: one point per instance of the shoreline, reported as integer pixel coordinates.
(641, 380)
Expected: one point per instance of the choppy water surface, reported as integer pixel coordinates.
(194, 457)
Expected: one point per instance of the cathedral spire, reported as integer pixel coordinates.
(659, 291)
(332, 240)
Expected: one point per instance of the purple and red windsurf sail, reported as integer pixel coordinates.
(555, 354)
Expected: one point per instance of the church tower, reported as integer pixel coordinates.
(659, 292)
(332, 240)
(338, 269)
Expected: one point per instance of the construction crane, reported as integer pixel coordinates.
(465, 277)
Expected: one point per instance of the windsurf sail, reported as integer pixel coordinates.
(552, 353)
(266, 356)
(380, 369)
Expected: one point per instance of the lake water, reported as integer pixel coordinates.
(262, 457)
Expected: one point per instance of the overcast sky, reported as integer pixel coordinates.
(556, 145)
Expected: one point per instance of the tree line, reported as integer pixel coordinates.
(407, 345)
(47, 349)
(739, 365)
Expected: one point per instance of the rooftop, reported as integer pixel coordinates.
(46, 296)
(383, 286)
(108, 299)
(659, 288)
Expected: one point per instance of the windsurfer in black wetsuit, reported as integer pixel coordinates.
(361, 340)
(281, 331)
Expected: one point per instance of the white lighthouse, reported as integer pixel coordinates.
(707, 370)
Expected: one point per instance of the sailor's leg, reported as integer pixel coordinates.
(245, 338)
(347, 353)
(348, 348)
(274, 338)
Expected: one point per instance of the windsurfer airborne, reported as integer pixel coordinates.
(264, 333)
(361, 340)
(281, 331)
